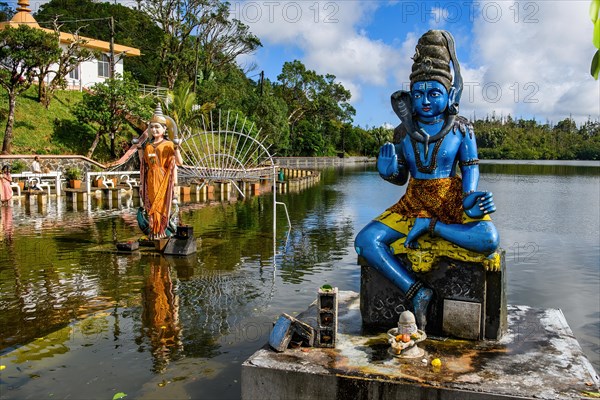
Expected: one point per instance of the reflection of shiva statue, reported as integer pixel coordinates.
(441, 213)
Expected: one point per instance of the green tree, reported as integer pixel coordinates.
(180, 104)
(332, 101)
(590, 129)
(309, 142)
(218, 41)
(23, 50)
(107, 107)
(360, 141)
(222, 39)
(567, 125)
(182, 107)
(229, 89)
(6, 11)
(529, 140)
(297, 86)
(270, 114)
(381, 135)
(315, 98)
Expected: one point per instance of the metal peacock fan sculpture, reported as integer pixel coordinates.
(225, 147)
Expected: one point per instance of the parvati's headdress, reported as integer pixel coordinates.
(167, 121)
(158, 116)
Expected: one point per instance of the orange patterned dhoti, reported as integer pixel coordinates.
(427, 198)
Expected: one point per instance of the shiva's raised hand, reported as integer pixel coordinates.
(387, 162)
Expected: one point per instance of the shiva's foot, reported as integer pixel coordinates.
(420, 303)
(420, 227)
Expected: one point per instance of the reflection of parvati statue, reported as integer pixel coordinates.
(160, 314)
(158, 162)
(441, 208)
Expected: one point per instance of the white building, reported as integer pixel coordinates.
(88, 72)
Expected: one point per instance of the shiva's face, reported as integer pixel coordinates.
(157, 130)
(429, 98)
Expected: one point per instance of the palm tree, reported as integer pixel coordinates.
(181, 106)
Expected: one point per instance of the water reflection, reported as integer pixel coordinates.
(525, 169)
(160, 314)
(217, 306)
(6, 223)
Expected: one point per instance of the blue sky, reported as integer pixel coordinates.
(528, 59)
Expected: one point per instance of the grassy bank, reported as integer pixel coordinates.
(35, 130)
(55, 130)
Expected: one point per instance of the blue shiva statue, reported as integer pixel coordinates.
(430, 144)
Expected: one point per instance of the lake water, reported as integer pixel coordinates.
(79, 322)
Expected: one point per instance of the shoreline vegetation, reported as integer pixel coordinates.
(55, 131)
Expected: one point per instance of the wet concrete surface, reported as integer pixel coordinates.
(538, 358)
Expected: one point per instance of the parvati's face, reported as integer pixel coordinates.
(157, 130)
(429, 98)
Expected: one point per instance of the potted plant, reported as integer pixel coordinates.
(97, 181)
(73, 175)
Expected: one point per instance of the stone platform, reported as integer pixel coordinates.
(147, 247)
(538, 358)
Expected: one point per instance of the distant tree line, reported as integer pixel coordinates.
(522, 139)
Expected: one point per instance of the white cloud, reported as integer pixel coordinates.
(329, 35)
(538, 55)
(357, 57)
(528, 59)
(438, 17)
(404, 63)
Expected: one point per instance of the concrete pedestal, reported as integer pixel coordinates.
(183, 243)
(180, 247)
(469, 302)
(537, 358)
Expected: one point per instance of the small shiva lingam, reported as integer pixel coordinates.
(403, 339)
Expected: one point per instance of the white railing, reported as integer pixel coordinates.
(124, 177)
(150, 90)
(42, 180)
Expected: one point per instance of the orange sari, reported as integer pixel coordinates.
(160, 314)
(157, 192)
